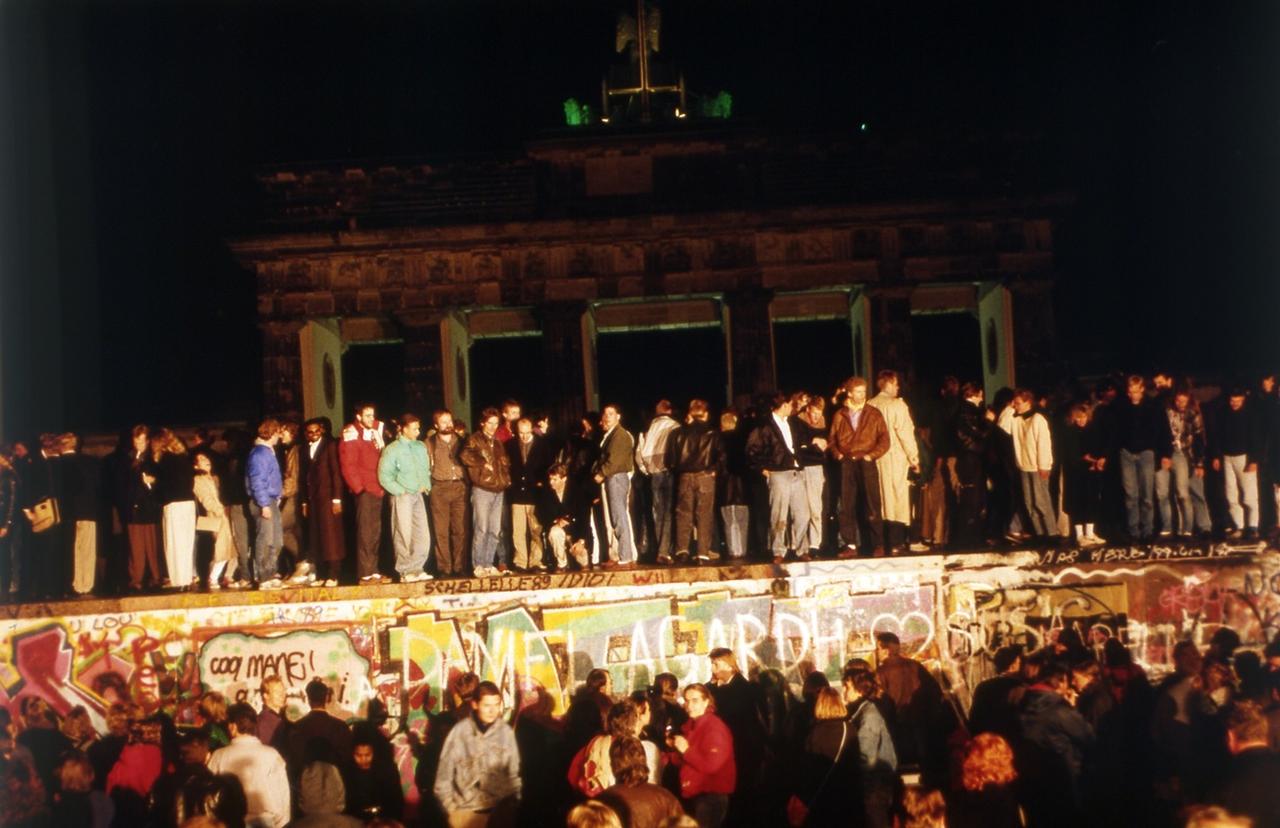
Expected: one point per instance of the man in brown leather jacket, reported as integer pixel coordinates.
(488, 468)
(859, 437)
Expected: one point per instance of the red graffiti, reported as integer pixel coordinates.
(1204, 600)
(43, 661)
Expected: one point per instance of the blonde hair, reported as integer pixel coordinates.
(829, 705)
(165, 441)
(925, 808)
(213, 706)
(593, 814)
(1214, 816)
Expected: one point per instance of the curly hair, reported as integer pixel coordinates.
(988, 760)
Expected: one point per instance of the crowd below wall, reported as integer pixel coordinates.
(798, 476)
(1069, 734)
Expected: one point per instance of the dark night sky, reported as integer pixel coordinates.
(135, 128)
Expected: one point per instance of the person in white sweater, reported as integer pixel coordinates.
(1033, 451)
(259, 767)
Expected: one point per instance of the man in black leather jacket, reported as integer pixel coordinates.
(694, 452)
(771, 452)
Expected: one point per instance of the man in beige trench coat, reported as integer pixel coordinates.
(902, 457)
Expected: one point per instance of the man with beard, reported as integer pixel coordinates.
(448, 495)
(361, 448)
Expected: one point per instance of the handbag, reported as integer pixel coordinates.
(208, 523)
(797, 808)
(45, 515)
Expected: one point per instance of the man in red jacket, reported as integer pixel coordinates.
(704, 754)
(362, 443)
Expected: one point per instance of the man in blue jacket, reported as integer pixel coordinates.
(404, 471)
(262, 479)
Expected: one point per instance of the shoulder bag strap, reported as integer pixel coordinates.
(844, 735)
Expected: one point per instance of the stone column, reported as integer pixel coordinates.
(751, 365)
(563, 373)
(423, 371)
(281, 368)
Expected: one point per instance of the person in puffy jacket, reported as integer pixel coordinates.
(358, 454)
(704, 754)
(263, 481)
(404, 472)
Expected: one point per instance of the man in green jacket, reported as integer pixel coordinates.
(613, 472)
(404, 471)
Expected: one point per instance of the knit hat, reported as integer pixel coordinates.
(320, 790)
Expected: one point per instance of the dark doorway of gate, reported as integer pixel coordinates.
(945, 344)
(508, 367)
(636, 369)
(812, 355)
(374, 372)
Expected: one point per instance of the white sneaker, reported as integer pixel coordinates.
(273, 583)
(214, 585)
(330, 583)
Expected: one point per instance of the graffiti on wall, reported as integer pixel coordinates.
(405, 651)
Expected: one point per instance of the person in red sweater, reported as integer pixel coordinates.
(704, 754)
(358, 454)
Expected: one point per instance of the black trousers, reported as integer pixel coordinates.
(368, 532)
(860, 504)
(971, 500)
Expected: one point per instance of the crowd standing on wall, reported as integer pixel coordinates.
(855, 473)
(1073, 734)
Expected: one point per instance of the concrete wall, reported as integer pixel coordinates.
(544, 633)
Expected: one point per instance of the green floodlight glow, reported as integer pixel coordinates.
(576, 114)
(720, 106)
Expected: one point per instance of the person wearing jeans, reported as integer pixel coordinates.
(404, 472)
(1237, 449)
(613, 472)
(1186, 472)
(1143, 441)
(810, 423)
(651, 458)
(263, 481)
(488, 468)
(1033, 452)
(731, 486)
